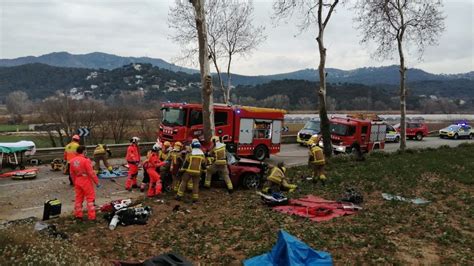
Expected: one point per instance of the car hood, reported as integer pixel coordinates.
(249, 161)
(308, 131)
(447, 129)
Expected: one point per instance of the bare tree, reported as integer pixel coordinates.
(17, 105)
(119, 119)
(230, 33)
(313, 12)
(394, 24)
(206, 78)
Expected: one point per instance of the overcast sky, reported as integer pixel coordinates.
(140, 28)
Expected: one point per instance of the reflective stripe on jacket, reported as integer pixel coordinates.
(317, 155)
(194, 162)
(218, 154)
(276, 175)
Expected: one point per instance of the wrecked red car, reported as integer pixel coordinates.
(243, 172)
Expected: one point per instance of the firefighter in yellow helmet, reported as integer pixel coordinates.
(218, 164)
(277, 181)
(193, 164)
(316, 159)
(176, 161)
(100, 154)
(163, 155)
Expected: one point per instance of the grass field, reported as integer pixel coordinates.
(225, 229)
(12, 128)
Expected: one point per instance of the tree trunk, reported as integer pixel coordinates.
(323, 116)
(206, 78)
(219, 76)
(229, 83)
(403, 93)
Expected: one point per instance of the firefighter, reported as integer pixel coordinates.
(69, 154)
(146, 177)
(176, 161)
(193, 164)
(277, 181)
(164, 157)
(84, 179)
(218, 163)
(133, 160)
(316, 159)
(100, 154)
(150, 167)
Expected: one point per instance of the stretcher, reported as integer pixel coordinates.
(11, 159)
(115, 173)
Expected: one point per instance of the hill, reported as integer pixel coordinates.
(94, 60)
(151, 83)
(365, 75)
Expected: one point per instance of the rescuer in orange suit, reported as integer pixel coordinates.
(133, 160)
(84, 180)
(69, 154)
(154, 189)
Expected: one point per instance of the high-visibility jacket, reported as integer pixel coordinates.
(133, 153)
(81, 169)
(194, 162)
(101, 149)
(276, 175)
(218, 154)
(316, 155)
(164, 155)
(70, 150)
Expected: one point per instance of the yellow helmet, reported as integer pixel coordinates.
(178, 145)
(313, 140)
(166, 144)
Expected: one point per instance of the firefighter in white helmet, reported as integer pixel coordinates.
(316, 159)
(218, 164)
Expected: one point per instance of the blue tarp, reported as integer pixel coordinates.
(104, 174)
(289, 250)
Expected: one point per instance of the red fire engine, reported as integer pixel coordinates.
(347, 133)
(247, 131)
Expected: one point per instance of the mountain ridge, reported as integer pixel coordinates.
(363, 75)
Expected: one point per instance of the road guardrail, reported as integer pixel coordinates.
(118, 150)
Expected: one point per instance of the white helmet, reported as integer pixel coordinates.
(134, 139)
(156, 147)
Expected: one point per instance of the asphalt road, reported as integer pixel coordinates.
(21, 199)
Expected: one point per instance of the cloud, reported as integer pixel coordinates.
(140, 28)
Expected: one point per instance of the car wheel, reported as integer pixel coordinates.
(471, 136)
(397, 139)
(441, 136)
(260, 153)
(456, 136)
(251, 181)
(419, 136)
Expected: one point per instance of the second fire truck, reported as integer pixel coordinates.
(348, 134)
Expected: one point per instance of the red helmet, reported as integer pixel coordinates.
(76, 137)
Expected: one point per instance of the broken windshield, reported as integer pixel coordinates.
(173, 117)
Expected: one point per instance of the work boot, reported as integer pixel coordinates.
(230, 191)
(194, 201)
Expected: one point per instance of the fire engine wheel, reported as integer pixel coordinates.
(419, 136)
(260, 153)
(251, 181)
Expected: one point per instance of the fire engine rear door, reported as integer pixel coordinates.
(246, 131)
(276, 136)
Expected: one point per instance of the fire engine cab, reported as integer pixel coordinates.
(348, 133)
(247, 131)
